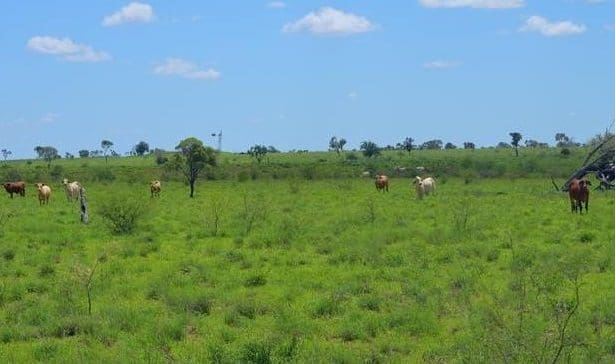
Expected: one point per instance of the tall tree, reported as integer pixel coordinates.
(84, 153)
(105, 145)
(6, 153)
(341, 142)
(432, 144)
(369, 149)
(258, 152)
(516, 138)
(468, 145)
(47, 153)
(450, 145)
(334, 144)
(407, 144)
(141, 148)
(192, 158)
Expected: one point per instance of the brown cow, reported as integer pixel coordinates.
(579, 194)
(382, 183)
(44, 192)
(15, 187)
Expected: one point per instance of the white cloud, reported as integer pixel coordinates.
(134, 12)
(328, 20)
(49, 118)
(276, 4)
(352, 95)
(550, 29)
(185, 69)
(484, 4)
(66, 49)
(439, 65)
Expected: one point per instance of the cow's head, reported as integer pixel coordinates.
(65, 181)
(417, 180)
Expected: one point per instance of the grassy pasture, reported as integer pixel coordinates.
(310, 271)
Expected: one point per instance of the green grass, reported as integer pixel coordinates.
(309, 271)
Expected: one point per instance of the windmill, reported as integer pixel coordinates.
(219, 135)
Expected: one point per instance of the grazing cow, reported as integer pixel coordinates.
(579, 194)
(44, 192)
(15, 187)
(72, 190)
(382, 183)
(154, 188)
(424, 187)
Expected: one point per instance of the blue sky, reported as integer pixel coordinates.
(294, 73)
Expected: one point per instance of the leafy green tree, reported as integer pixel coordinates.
(192, 158)
(369, 149)
(106, 145)
(258, 152)
(450, 145)
(47, 153)
(141, 148)
(469, 145)
(407, 144)
(503, 145)
(84, 153)
(516, 138)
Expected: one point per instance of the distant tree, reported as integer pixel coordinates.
(192, 158)
(432, 144)
(84, 153)
(503, 145)
(469, 145)
(334, 145)
(272, 149)
(105, 145)
(160, 156)
(258, 152)
(341, 142)
(68, 155)
(141, 148)
(47, 153)
(450, 145)
(6, 153)
(406, 145)
(516, 138)
(369, 149)
(531, 143)
(563, 141)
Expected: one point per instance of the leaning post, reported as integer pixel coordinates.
(84, 205)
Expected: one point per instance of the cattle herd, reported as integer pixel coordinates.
(578, 190)
(72, 190)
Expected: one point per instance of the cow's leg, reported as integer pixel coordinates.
(573, 206)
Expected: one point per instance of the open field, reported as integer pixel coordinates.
(310, 271)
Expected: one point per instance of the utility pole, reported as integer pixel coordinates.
(219, 135)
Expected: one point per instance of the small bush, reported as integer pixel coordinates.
(255, 281)
(256, 352)
(8, 254)
(121, 214)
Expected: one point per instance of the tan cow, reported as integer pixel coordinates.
(382, 183)
(44, 192)
(155, 188)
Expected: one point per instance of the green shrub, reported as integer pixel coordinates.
(256, 352)
(121, 213)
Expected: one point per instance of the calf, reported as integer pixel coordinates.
(424, 187)
(579, 194)
(155, 188)
(44, 192)
(15, 187)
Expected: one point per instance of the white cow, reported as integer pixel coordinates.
(424, 187)
(72, 189)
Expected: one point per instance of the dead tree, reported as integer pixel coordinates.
(602, 166)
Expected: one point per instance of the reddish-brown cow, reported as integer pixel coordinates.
(579, 194)
(15, 187)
